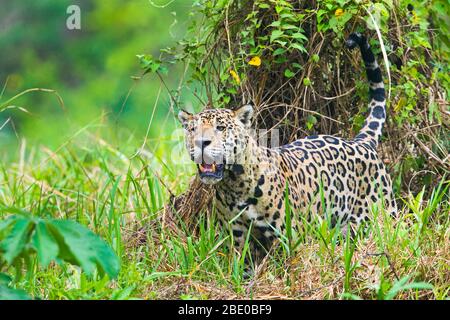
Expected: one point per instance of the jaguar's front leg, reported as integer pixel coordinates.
(265, 237)
(240, 234)
(240, 231)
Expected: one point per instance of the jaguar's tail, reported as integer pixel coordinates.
(371, 131)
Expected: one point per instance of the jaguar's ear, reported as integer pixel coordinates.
(244, 114)
(184, 118)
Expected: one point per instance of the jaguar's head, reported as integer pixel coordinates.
(216, 139)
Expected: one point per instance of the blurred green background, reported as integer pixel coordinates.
(92, 70)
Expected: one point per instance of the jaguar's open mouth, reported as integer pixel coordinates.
(212, 170)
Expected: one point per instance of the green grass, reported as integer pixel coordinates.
(122, 200)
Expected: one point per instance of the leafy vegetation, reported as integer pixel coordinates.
(22, 235)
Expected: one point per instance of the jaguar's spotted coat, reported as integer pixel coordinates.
(251, 180)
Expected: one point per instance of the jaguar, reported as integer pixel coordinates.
(319, 174)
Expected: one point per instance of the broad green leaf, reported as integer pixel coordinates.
(275, 24)
(283, 43)
(315, 58)
(275, 35)
(298, 47)
(149, 64)
(5, 279)
(310, 121)
(281, 59)
(82, 247)
(45, 244)
(288, 73)
(297, 66)
(289, 27)
(11, 247)
(12, 294)
(4, 226)
(279, 51)
(299, 35)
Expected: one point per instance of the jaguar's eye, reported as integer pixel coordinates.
(220, 128)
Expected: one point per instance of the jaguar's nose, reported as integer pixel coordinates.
(202, 143)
